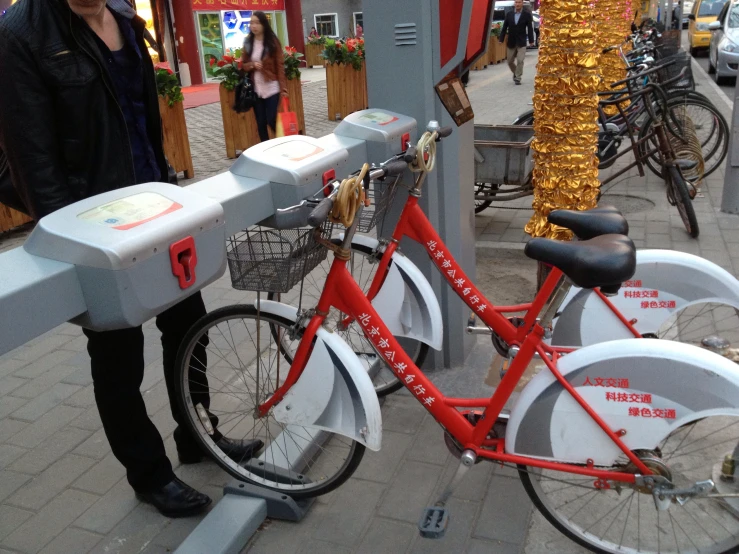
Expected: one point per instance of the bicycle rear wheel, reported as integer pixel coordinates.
(623, 518)
(711, 129)
(679, 196)
(228, 364)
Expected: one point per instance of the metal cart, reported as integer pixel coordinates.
(503, 163)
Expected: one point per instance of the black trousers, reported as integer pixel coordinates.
(265, 112)
(117, 360)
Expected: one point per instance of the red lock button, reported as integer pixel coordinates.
(184, 258)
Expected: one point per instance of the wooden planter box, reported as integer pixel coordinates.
(346, 89)
(501, 51)
(176, 141)
(10, 219)
(313, 55)
(481, 63)
(240, 130)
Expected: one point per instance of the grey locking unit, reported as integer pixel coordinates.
(137, 250)
(384, 132)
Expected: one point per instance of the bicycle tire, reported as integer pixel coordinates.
(681, 197)
(481, 205)
(582, 526)
(526, 118)
(291, 481)
(714, 153)
(385, 382)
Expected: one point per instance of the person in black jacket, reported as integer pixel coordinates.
(79, 116)
(518, 25)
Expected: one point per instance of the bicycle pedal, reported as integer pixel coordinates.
(434, 522)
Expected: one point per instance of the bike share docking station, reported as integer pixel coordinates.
(118, 259)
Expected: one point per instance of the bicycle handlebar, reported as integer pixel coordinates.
(642, 74)
(319, 214)
(444, 132)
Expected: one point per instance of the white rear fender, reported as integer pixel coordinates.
(645, 387)
(406, 302)
(334, 392)
(665, 282)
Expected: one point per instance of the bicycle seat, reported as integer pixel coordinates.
(603, 220)
(605, 261)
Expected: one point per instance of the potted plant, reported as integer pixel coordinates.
(294, 86)
(346, 77)
(174, 128)
(313, 49)
(239, 129)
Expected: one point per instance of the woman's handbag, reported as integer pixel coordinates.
(246, 96)
(287, 121)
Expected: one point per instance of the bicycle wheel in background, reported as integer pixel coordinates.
(363, 267)
(679, 196)
(243, 366)
(482, 188)
(711, 129)
(624, 518)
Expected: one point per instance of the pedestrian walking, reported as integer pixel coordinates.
(519, 26)
(262, 56)
(79, 117)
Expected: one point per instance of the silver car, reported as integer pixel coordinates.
(723, 51)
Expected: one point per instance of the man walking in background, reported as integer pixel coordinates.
(519, 25)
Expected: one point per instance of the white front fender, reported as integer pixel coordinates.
(666, 280)
(406, 302)
(668, 383)
(334, 392)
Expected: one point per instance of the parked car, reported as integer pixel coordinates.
(704, 13)
(723, 52)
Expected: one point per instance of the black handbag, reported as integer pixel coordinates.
(246, 96)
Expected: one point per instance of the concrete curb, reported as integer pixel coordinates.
(712, 83)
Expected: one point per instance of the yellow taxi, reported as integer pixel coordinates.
(704, 12)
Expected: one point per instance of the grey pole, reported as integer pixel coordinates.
(730, 197)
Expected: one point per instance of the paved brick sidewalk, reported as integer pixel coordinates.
(62, 491)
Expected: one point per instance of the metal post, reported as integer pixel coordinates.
(404, 63)
(730, 197)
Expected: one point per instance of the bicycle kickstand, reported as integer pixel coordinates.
(435, 519)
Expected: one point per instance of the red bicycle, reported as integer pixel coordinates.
(617, 444)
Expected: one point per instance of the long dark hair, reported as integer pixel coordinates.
(271, 42)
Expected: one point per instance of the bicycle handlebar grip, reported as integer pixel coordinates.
(410, 155)
(395, 167)
(609, 49)
(444, 132)
(320, 212)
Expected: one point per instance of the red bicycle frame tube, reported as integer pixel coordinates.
(414, 224)
(343, 293)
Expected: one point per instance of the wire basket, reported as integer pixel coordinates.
(265, 259)
(682, 61)
(381, 195)
(668, 44)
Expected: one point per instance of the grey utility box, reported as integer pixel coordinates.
(136, 250)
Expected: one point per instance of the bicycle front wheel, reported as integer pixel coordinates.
(623, 518)
(229, 363)
(363, 267)
(679, 196)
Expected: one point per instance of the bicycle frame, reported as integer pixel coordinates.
(343, 293)
(414, 224)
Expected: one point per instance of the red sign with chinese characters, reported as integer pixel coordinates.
(264, 5)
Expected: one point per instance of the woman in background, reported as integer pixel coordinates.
(262, 57)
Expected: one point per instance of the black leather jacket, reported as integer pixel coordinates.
(60, 123)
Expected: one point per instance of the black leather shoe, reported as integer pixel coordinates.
(237, 450)
(176, 499)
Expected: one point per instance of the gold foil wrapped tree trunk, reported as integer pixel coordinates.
(565, 115)
(611, 28)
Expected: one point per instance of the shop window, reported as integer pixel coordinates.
(358, 20)
(326, 24)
